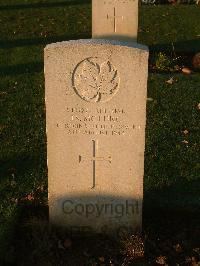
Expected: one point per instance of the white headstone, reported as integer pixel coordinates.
(115, 19)
(96, 112)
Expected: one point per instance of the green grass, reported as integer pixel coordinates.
(171, 166)
(162, 27)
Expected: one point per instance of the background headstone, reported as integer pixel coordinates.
(96, 112)
(115, 19)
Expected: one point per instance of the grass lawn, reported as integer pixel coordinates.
(172, 163)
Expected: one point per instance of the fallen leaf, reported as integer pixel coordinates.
(40, 188)
(188, 260)
(2, 127)
(196, 61)
(194, 262)
(67, 243)
(197, 250)
(13, 183)
(186, 71)
(2, 93)
(170, 81)
(60, 246)
(185, 142)
(198, 106)
(14, 200)
(101, 259)
(150, 99)
(30, 197)
(178, 248)
(161, 260)
(185, 132)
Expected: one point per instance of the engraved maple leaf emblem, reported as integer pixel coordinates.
(96, 82)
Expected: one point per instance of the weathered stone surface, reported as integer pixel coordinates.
(96, 112)
(115, 19)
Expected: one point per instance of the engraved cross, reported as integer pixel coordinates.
(94, 159)
(114, 17)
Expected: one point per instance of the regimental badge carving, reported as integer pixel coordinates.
(94, 81)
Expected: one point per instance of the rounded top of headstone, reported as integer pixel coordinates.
(93, 42)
